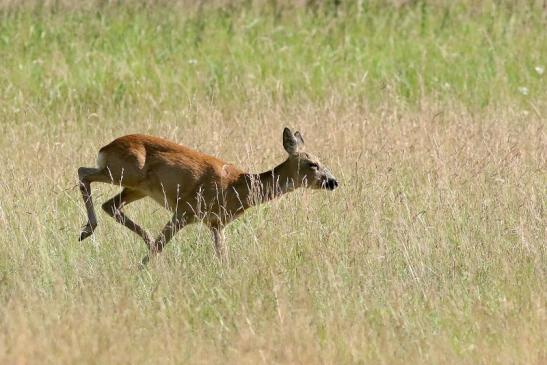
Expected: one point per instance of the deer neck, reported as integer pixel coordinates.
(266, 186)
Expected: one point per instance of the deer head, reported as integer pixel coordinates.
(304, 168)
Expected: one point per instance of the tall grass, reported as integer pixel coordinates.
(431, 114)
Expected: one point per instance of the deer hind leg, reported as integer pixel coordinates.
(86, 176)
(168, 232)
(114, 208)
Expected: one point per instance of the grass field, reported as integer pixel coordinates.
(431, 114)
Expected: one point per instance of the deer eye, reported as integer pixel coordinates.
(313, 165)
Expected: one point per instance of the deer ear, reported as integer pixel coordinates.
(299, 138)
(291, 141)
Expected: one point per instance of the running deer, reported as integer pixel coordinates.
(194, 186)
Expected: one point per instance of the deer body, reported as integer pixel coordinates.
(192, 185)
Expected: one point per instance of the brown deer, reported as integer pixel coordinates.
(192, 185)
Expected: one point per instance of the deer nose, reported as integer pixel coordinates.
(332, 184)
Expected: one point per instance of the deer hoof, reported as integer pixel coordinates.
(87, 231)
(145, 260)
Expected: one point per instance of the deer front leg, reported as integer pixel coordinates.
(220, 245)
(170, 229)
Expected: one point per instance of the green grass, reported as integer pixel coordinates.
(117, 57)
(432, 250)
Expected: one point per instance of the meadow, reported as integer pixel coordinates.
(432, 115)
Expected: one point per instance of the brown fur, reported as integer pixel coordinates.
(191, 184)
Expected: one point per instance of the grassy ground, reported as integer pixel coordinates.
(431, 115)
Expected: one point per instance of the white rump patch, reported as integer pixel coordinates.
(101, 160)
(224, 171)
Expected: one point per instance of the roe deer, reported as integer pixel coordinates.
(191, 184)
